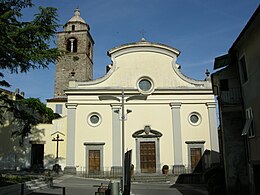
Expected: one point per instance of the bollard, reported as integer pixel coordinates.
(115, 188)
(22, 189)
(63, 190)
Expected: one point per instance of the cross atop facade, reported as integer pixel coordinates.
(142, 33)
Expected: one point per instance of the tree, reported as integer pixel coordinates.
(28, 113)
(25, 45)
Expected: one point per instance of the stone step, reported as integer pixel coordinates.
(150, 179)
(36, 184)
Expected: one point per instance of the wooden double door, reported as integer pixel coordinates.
(94, 161)
(148, 157)
(195, 157)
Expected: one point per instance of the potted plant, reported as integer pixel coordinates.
(165, 169)
(132, 169)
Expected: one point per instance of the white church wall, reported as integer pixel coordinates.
(158, 117)
(86, 133)
(194, 133)
(44, 132)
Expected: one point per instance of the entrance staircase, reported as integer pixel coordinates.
(151, 178)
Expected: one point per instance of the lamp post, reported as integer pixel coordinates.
(123, 100)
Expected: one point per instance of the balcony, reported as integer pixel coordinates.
(231, 97)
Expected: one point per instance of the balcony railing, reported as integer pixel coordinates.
(232, 96)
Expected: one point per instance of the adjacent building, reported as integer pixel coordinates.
(12, 154)
(236, 84)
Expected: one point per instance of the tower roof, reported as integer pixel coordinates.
(76, 17)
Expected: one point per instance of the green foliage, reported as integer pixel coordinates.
(165, 167)
(14, 179)
(25, 45)
(3, 83)
(28, 113)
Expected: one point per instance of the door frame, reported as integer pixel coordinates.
(37, 142)
(157, 153)
(194, 144)
(94, 146)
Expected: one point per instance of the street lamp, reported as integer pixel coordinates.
(123, 117)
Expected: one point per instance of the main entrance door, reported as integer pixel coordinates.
(94, 161)
(195, 156)
(147, 157)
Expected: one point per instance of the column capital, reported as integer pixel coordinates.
(71, 105)
(115, 106)
(211, 104)
(175, 105)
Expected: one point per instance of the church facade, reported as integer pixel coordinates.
(143, 103)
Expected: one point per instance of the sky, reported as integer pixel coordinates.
(201, 29)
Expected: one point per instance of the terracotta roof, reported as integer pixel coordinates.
(57, 99)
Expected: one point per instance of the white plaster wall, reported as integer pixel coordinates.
(155, 111)
(158, 116)
(190, 132)
(52, 105)
(43, 132)
(130, 67)
(87, 133)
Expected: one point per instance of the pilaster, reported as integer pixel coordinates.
(213, 132)
(116, 137)
(177, 139)
(70, 154)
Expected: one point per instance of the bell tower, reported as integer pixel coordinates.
(77, 61)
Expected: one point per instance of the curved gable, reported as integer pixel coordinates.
(134, 61)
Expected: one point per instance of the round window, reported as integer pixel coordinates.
(194, 118)
(145, 85)
(94, 119)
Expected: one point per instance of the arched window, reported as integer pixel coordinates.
(68, 46)
(72, 45)
(75, 45)
(73, 27)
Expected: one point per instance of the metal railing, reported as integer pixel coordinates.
(108, 172)
(232, 96)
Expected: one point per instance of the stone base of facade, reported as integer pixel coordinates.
(116, 170)
(178, 169)
(69, 170)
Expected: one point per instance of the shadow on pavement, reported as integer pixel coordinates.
(191, 189)
(57, 190)
(36, 193)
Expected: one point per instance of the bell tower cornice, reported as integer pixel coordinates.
(76, 21)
